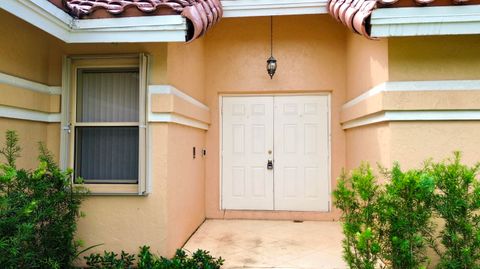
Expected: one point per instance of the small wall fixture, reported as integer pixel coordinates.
(271, 62)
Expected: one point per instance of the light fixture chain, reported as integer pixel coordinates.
(271, 35)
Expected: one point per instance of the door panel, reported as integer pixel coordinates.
(301, 153)
(292, 131)
(247, 138)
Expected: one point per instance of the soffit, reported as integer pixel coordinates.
(202, 14)
(356, 14)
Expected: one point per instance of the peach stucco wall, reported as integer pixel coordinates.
(411, 142)
(367, 64)
(434, 58)
(370, 144)
(24, 49)
(30, 134)
(311, 57)
(185, 184)
(314, 53)
(167, 217)
(24, 53)
(175, 208)
(414, 142)
(186, 69)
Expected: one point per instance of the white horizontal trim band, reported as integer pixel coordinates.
(168, 89)
(25, 114)
(119, 24)
(27, 84)
(416, 21)
(249, 8)
(56, 22)
(174, 118)
(387, 116)
(411, 86)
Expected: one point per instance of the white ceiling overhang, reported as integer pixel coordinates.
(423, 21)
(51, 19)
(385, 22)
(250, 8)
(56, 22)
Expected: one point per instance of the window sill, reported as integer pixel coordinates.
(112, 189)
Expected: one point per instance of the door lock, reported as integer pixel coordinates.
(270, 165)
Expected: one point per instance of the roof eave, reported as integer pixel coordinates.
(51, 19)
(252, 8)
(425, 21)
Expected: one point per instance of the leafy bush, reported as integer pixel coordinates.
(405, 218)
(38, 212)
(201, 259)
(357, 196)
(457, 202)
(391, 225)
(110, 260)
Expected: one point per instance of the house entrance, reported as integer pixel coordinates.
(275, 153)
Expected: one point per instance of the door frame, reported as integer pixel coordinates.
(273, 94)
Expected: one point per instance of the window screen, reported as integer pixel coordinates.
(107, 126)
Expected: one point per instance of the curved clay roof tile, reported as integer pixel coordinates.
(213, 8)
(343, 9)
(355, 14)
(203, 16)
(332, 8)
(350, 13)
(362, 16)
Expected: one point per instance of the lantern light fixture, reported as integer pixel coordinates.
(271, 62)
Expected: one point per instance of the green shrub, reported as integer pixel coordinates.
(457, 202)
(201, 259)
(110, 260)
(357, 196)
(390, 225)
(38, 212)
(405, 217)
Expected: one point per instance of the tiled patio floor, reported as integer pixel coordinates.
(271, 244)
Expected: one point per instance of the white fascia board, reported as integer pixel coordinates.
(424, 21)
(389, 116)
(131, 36)
(178, 119)
(171, 28)
(251, 8)
(168, 89)
(26, 114)
(172, 117)
(412, 86)
(27, 84)
(167, 22)
(56, 22)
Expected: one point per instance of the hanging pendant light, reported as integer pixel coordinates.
(271, 62)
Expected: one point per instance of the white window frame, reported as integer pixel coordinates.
(71, 65)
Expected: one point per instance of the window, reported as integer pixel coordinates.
(107, 123)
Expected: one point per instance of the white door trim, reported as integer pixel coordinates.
(220, 130)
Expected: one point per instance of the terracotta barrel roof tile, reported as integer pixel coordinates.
(355, 14)
(202, 14)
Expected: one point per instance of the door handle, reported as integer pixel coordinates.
(270, 165)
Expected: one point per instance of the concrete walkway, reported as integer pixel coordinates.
(271, 244)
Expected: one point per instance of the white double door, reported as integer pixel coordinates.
(275, 153)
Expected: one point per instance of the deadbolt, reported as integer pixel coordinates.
(270, 164)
